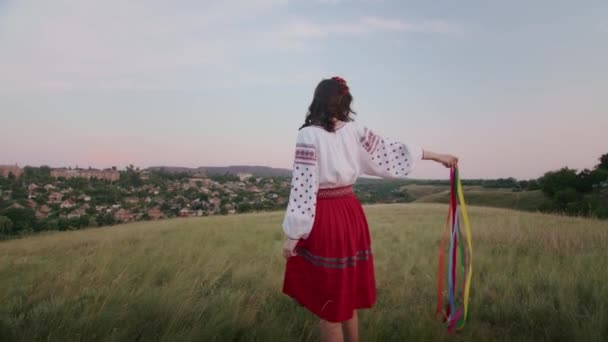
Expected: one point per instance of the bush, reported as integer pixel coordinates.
(6, 226)
(23, 219)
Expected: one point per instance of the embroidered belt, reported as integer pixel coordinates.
(335, 192)
(349, 261)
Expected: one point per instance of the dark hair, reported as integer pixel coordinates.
(331, 100)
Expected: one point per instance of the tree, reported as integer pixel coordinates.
(130, 177)
(555, 181)
(585, 180)
(244, 207)
(18, 191)
(603, 165)
(23, 218)
(6, 226)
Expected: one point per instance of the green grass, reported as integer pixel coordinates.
(537, 278)
(475, 195)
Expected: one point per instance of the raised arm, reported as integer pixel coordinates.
(388, 158)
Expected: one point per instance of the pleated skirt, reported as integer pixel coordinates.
(333, 272)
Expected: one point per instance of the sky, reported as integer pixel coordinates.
(513, 88)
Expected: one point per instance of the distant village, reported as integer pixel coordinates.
(73, 198)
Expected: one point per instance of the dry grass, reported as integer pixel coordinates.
(476, 195)
(537, 277)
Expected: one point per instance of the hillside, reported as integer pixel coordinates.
(477, 195)
(537, 277)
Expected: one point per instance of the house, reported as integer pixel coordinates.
(43, 212)
(215, 203)
(45, 209)
(32, 187)
(40, 215)
(30, 203)
(49, 187)
(76, 213)
(196, 181)
(6, 170)
(244, 176)
(16, 206)
(107, 174)
(85, 198)
(131, 200)
(185, 212)
(68, 190)
(123, 215)
(55, 197)
(67, 204)
(155, 213)
(254, 189)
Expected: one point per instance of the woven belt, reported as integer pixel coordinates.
(335, 192)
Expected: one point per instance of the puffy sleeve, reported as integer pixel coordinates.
(300, 213)
(385, 157)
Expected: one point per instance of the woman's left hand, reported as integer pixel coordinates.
(289, 248)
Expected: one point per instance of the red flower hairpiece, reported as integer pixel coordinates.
(343, 87)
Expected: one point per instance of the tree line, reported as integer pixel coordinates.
(583, 193)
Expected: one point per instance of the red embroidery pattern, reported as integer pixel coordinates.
(335, 192)
(305, 154)
(370, 141)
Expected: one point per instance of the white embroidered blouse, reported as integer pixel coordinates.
(334, 159)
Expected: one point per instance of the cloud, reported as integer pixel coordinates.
(66, 45)
(368, 25)
(335, 2)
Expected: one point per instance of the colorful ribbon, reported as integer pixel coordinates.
(457, 215)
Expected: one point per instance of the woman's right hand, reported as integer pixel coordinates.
(448, 160)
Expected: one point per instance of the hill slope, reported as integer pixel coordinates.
(477, 195)
(537, 277)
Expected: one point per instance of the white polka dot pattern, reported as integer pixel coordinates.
(300, 213)
(386, 158)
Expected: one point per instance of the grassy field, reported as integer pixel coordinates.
(537, 278)
(477, 195)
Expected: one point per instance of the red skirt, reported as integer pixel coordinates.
(333, 273)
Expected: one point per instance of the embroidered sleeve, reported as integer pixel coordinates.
(300, 213)
(387, 158)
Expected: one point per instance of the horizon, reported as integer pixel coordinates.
(513, 89)
(140, 168)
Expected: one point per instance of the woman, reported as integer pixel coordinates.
(330, 268)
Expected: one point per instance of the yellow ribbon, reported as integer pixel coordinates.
(467, 226)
